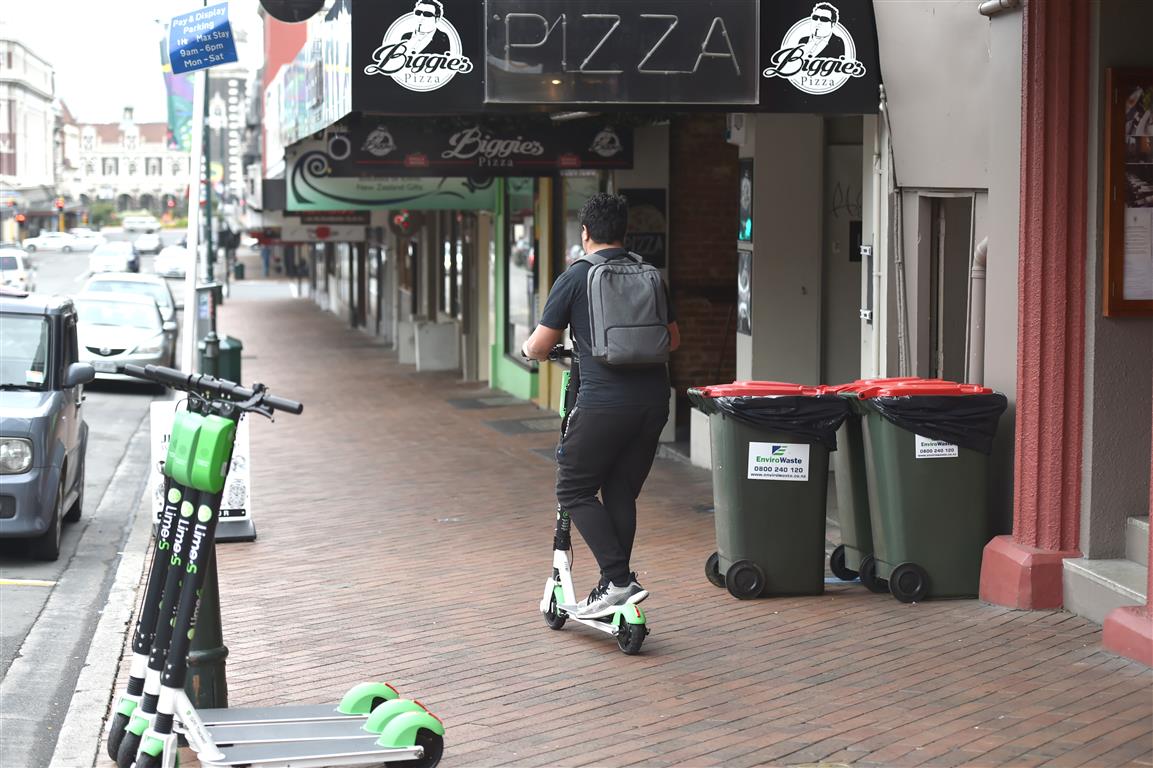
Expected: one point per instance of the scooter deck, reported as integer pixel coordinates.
(314, 730)
(291, 713)
(310, 754)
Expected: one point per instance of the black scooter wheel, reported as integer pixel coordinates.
(129, 746)
(148, 761)
(433, 750)
(745, 580)
(554, 617)
(713, 571)
(116, 735)
(869, 576)
(909, 583)
(838, 567)
(630, 637)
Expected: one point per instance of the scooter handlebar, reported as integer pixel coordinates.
(198, 382)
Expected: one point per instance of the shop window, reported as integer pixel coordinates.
(575, 192)
(452, 266)
(521, 306)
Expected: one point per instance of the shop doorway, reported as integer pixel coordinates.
(950, 247)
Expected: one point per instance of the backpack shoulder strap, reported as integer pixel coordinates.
(592, 258)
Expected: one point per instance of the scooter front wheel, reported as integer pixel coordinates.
(116, 735)
(129, 746)
(554, 617)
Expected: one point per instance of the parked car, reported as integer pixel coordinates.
(117, 256)
(16, 271)
(153, 286)
(148, 243)
(43, 435)
(52, 241)
(173, 261)
(141, 224)
(120, 328)
(86, 239)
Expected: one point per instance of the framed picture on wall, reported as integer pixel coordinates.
(745, 292)
(1128, 253)
(745, 223)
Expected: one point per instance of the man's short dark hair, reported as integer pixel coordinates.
(435, 3)
(606, 217)
(836, 15)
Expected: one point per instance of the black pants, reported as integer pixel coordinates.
(607, 450)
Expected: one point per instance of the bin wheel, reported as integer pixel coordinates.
(713, 571)
(838, 567)
(908, 582)
(869, 576)
(745, 580)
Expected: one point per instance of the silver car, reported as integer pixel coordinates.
(131, 282)
(120, 328)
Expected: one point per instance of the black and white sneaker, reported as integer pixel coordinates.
(608, 597)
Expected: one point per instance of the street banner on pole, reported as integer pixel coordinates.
(201, 39)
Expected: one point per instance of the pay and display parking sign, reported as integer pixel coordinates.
(779, 461)
(201, 39)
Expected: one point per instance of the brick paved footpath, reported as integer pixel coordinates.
(403, 539)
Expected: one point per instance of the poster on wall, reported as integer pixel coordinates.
(648, 225)
(745, 292)
(1129, 207)
(745, 220)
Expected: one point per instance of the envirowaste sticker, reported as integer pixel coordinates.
(935, 449)
(779, 461)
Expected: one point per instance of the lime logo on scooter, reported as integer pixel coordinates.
(204, 517)
(186, 510)
(167, 517)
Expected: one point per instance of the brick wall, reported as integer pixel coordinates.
(703, 193)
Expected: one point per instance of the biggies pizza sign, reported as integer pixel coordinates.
(474, 56)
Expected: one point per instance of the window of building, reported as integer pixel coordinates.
(575, 192)
(152, 166)
(521, 306)
(131, 167)
(111, 166)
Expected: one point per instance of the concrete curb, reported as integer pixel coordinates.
(82, 728)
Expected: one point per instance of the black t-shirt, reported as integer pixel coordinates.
(601, 386)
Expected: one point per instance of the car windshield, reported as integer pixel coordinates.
(120, 313)
(9, 262)
(157, 292)
(23, 351)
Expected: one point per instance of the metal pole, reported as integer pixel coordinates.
(190, 332)
(210, 275)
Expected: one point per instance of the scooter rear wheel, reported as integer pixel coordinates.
(433, 750)
(554, 617)
(630, 637)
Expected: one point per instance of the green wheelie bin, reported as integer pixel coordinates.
(853, 557)
(770, 444)
(927, 447)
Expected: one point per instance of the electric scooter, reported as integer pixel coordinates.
(559, 603)
(135, 711)
(398, 729)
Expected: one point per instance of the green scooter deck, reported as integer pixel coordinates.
(310, 754)
(315, 730)
(293, 713)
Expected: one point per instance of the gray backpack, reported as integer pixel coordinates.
(628, 311)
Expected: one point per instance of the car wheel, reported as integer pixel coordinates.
(47, 545)
(66, 249)
(30, 248)
(77, 507)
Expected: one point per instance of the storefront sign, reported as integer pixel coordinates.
(648, 225)
(340, 218)
(312, 186)
(299, 232)
(404, 147)
(779, 461)
(639, 52)
(411, 56)
(819, 57)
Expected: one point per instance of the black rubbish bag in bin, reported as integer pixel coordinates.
(969, 421)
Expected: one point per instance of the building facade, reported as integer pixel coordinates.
(27, 126)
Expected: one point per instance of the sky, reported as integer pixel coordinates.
(106, 53)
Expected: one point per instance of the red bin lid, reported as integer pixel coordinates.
(924, 387)
(758, 389)
(860, 384)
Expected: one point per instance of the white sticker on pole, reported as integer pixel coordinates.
(779, 461)
(236, 501)
(928, 448)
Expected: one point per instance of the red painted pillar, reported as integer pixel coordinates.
(1024, 570)
(1129, 631)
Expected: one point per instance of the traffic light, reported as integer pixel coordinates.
(59, 203)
